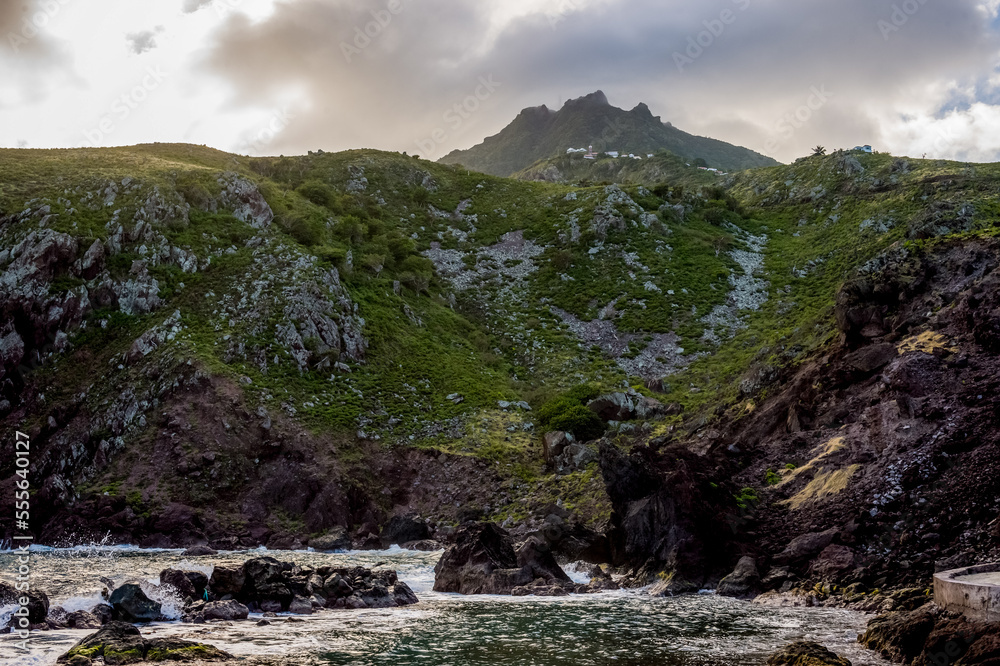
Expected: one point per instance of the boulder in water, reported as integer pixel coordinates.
(225, 610)
(38, 601)
(743, 582)
(804, 653)
(483, 561)
(402, 529)
(226, 582)
(83, 620)
(335, 540)
(179, 581)
(122, 643)
(199, 551)
(130, 604)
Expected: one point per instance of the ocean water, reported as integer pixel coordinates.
(628, 628)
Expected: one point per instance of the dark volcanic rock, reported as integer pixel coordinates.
(805, 653)
(535, 556)
(226, 581)
(743, 582)
(199, 551)
(553, 445)
(180, 581)
(663, 524)
(402, 529)
(38, 601)
(225, 610)
(83, 620)
(130, 604)
(900, 636)
(482, 561)
(336, 540)
(122, 643)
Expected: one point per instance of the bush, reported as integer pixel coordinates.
(772, 478)
(335, 256)
(568, 412)
(319, 193)
(577, 419)
(562, 259)
(583, 393)
(352, 230)
(716, 216)
(308, 229)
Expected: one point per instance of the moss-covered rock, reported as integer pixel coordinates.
(121, 643)
(804, 653)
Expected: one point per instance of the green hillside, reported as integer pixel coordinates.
(371, 304)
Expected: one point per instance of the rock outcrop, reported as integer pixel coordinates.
(121, 643)
(929, 635)
(130, 604)
(805, 653)
(270, 585)
(483, 560)
(665, 526)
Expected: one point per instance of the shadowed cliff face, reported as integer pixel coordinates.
(883, 451)
(669, 520)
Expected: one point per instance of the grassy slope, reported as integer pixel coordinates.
(811, 212)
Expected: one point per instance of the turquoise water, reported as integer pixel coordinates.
(628, 628)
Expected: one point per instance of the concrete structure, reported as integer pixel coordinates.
(974, 592)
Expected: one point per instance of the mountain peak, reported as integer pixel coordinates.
(539, 133)
(597, 98)
(642, 110)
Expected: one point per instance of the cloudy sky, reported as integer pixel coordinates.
(287, 76)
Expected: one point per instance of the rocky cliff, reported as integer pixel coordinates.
(796, 362)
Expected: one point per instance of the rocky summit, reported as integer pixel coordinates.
(781, 383)
(591, 123)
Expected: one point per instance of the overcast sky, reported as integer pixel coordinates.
(286, 76)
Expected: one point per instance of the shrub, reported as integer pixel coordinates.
(568, 412)
(352, 230)
(577, 419)
(306, 228)
(562, 259)
(772, 478)
(716, 216)
(319, 193)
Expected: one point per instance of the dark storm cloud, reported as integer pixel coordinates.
(779, 74)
